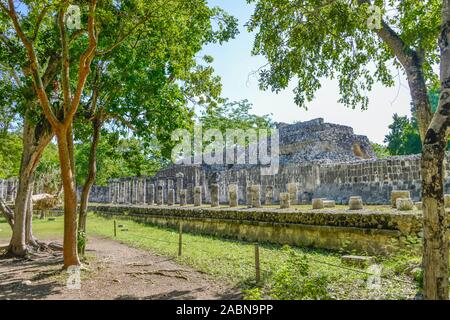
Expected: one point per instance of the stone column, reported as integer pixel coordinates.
(183, 197)
(160, 197)
(269, 196)
(256, 195)
(214, 195)
(179, 185)
(233, 195)
(248, 195)
(151, 194)
(285, 202)
(292, 190)
(170, 197)
(197, 196)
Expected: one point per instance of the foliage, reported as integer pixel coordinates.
(118, 157)
(308, 40)
(381, 151)
(403, 137)
(10, 155)
(233, 115)
(295, 281)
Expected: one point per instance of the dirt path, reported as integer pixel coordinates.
(117, 271)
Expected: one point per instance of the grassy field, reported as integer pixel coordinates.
(233, 261)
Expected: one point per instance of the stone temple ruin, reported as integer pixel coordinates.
(317, 160)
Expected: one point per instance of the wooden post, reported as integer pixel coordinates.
(257, 266)
(115, 228)
(180, 239)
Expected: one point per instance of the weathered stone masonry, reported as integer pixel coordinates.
(322, 160)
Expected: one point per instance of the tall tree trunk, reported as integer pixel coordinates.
(70, 199)
(435, 246)
(35, 139)
(96, 126)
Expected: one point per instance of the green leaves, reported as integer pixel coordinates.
(307, 40)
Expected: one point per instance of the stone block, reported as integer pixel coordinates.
(183, 197)
(329, 203)
(317, 204)
(233, 195)
(197, 196)
(269, 196)
(395, 194)
(447, 200)
(170, 197)
(256, 196)
(355, 203)
(285, 201)
(214, 195)
(357, 261)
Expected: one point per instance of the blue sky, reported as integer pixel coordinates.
(234, 63)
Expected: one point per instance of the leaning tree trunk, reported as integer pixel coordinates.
(435, 243)
(35, 139)
(70, 252)
(7, 213)
(96, 124)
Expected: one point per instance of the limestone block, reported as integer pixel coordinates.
(214, 195)
(269, 195)
(329, 203)
(233, 195)
(447, 200)
(256, 196)
(357, 261)
(170, 197)
(197, 196)
(355, 203)
(248, 196)
(317, 204)
(160, 199)
(183, 197)
(395, 194)
(285, 201)
(292, 190)
(404, 204)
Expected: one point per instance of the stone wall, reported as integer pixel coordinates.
(372, 232)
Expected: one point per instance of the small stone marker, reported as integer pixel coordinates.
(285, 201)
(419, 205)
(255, 191)
(292, 190)
(329, 203)
(395, 194)
(233, 195)
(249, 196)
(317, 204)
(197, 196)
(447, 200)
(268, 196)
(160, 199)
(357, 261)
(170, 197)
(355, 203)
(214, 195)
(183, 197)
(404, 204)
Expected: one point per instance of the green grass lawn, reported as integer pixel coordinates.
(233, 261)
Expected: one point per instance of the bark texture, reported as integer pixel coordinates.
(435, 247)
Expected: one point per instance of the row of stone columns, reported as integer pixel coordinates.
(170, 191)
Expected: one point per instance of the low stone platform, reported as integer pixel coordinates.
(371, 231)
